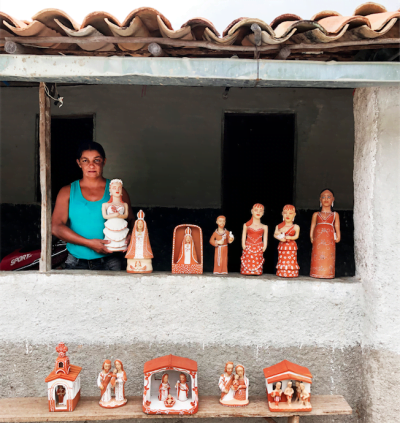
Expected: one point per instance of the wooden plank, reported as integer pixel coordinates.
(15, 410)
(202, 44)
(294, 419)
(45, 175)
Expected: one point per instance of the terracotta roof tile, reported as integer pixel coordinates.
(369, 21)
(286, 366)
(72, 375)
(170, 361)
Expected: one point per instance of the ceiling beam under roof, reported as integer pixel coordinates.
(197, 72)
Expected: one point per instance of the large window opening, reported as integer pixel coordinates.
(258, 161)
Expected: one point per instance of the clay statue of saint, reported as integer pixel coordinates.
(60, 392)
(324, 235)
(254, 243)
(139, 255)
(187, 253)
(115, 211)
(225, 383)
(182, 388)
(118, 382)
(104, 383)
(304, 395)
(241, 394)
(289, 391)
(276, 394)
(164, 388)
(220, 240)
(287, 233)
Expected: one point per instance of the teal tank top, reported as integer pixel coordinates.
(86, 219)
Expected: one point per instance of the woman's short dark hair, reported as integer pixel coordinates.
(90, 146)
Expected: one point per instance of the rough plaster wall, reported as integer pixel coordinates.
(154, 141)
(377, 200)
(209, 319)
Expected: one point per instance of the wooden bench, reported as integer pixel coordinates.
(13, 410)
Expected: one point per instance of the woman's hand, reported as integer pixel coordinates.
(99, 245)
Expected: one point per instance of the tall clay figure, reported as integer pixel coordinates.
(287, 233)
(115, 211)
(104, 383)
(225, 383)
(118, 382)
(324, 234)
(254, 243)
(139, 252)
(163, 389)
(220, 240)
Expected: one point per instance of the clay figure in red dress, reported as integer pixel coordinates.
(287, 233)
(254, 243)
(220, 240)
(324, 234)
(241, 394)
(187, 254)
(276, 394)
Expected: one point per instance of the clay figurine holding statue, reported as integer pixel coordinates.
(287, 233)
(108, 380)
(220, 240)
(139, 255)
(324, 235)
(115, 211)
(254, 243)
(234, 388)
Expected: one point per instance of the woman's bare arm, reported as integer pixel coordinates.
(60, 229)
(313, 224)
(337, 227)
(244, 234)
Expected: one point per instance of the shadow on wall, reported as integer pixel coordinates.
(20, 228)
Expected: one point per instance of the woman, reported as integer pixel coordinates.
(139, 252)
(254, 243)
(77, 217)
(119, 383)
(324, 234)
(242, 393)
(287, 233)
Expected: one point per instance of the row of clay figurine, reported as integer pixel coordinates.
(187, 256)
(170, 385)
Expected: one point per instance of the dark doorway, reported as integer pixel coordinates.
(67, 132)
(257, 167)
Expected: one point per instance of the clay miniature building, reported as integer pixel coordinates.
(63, 383)
(161, 386)
(301, 379)
(187, 250)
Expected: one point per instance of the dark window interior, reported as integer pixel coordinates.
(61, 365)
(66, 135)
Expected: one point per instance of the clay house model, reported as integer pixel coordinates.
(161, 379)
(187, 249)
(301, 379)
(63, 383)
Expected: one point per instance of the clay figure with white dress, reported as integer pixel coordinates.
(234, 391)
(115, 211)
(118, 382)
(182, 388)
(104, 383)
(187, 254)
(164, 388)
(139, 254)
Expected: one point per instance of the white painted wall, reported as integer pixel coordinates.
(166, 144)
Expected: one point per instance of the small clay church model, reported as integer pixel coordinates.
(170, 386)
(288, 387)
(63, 383)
